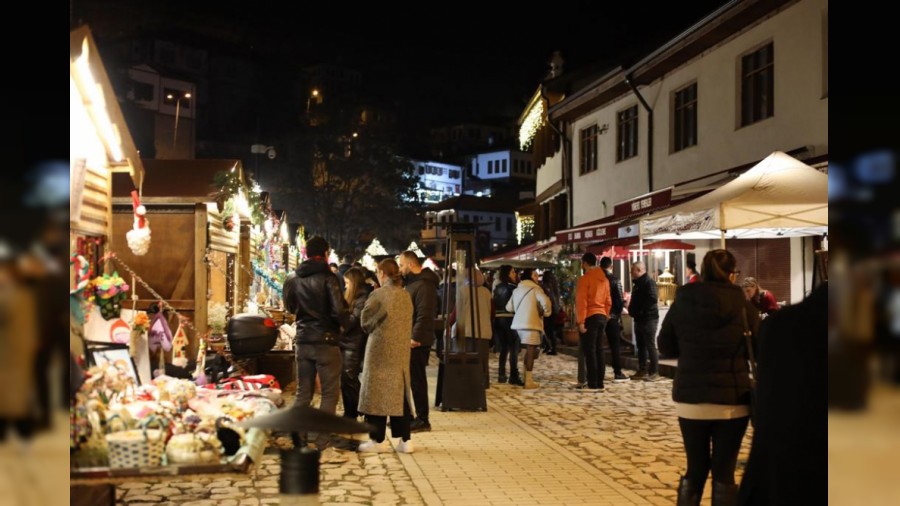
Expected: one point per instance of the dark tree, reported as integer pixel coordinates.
(350, 189)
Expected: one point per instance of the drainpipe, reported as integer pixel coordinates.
(565, 162)
(649, 132)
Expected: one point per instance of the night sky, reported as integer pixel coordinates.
(440, 62)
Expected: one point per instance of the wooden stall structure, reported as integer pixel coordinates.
(195, 256)
(99, 145)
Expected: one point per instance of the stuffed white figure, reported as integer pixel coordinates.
(139, 237)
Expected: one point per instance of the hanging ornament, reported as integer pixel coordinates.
(179, 347)
(139, 236)
(159, 338)
(77, 302)
(200, 371)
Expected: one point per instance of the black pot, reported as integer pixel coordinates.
(251, 335)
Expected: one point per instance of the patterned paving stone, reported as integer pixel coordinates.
(553, 445)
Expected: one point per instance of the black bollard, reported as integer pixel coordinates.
(299, 481)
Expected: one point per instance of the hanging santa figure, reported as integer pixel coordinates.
(139, 236)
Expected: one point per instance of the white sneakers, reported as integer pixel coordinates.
(404, 446)
(372, 446)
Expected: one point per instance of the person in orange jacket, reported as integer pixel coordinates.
(592, 305)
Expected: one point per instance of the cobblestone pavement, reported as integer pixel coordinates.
(554, 445)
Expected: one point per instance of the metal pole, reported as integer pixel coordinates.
(177, 112)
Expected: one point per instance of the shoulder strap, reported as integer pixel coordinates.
(751, 359)
(516, 310)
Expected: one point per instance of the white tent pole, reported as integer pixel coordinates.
(722, 239)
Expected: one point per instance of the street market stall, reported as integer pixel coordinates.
(99, 145)
(772, 217)
(779, 197)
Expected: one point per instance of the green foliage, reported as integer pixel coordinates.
(567, 273)
(229, 184)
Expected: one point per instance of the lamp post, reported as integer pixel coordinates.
(170, 96)
(312, 94)
(259, 149)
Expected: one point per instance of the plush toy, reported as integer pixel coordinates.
(139, 236)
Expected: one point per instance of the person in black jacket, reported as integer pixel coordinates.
(422, 287)
(704, 329)
(353, 342)
(552, 327)
(508, 338)
(614, 323)
(644, 310)
(313, 294)
(789, 457)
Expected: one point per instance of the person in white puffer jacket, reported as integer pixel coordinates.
(530, 305)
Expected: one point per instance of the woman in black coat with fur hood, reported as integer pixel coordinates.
(704, 329)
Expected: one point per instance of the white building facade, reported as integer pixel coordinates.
(715, 106)
(502, 165)
(437, 181)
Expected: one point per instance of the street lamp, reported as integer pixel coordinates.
(314, 93)
(171, 96)
(259, 149)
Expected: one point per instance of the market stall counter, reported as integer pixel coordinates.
(170, 427)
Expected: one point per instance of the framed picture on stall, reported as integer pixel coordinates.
(103, 353)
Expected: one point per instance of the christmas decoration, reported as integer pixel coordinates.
(179, 343)
(78, 305)
(160, 338)
(376, 249)
(415, 249)
(108, 292)
(139, 236)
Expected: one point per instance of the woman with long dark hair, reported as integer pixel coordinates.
(705, 330)
(353, 341)
(507, 337)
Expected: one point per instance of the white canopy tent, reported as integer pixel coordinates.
(779, 197)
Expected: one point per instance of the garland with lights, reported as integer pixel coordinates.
(273, 283)
(533, 122)
(230, 187)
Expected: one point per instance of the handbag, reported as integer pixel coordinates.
(751, 361)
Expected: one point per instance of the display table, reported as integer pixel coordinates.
(241, 462)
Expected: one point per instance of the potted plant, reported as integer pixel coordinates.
(216, 319)
(567, 276)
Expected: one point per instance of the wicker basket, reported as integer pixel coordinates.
(137, 447)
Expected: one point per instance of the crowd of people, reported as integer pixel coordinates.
(369, 339)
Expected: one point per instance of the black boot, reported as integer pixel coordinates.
(688, 493)
(724, 494)
(514, 379)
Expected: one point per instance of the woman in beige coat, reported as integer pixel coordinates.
(385, 391)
